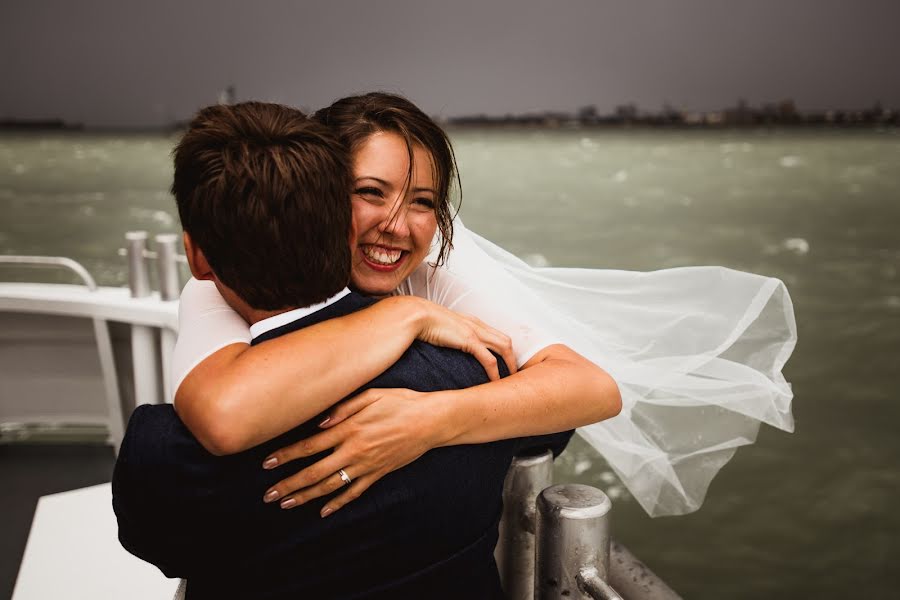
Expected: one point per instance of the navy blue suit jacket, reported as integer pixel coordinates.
(427, 530)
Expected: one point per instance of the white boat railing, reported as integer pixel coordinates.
(151, 318)
(51, 261)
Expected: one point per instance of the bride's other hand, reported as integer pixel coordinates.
(444, 327)
(373, 433)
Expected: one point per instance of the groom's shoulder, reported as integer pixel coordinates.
(148, 422)
(156, 435)
(153, 415)
(423, 366)
(151, 420)
(426, 367)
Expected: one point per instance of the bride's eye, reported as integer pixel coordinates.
(368, 191)
(424, 203)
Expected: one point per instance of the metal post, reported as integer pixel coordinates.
(169, 289)
(167, 266)
(143, 339)
(138, 277)
(572, 544)
(527, 476)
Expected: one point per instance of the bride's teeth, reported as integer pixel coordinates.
(383, 257)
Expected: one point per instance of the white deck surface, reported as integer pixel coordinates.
(73, 553)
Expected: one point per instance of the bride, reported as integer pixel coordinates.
(665, 373)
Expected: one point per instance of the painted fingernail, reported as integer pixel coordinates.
(270, 463)
(325, 512)
(324, 422)
(287, 503)
(271, 496)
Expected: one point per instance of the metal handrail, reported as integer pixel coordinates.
(593, 584)
(52, 261)
(633, 579)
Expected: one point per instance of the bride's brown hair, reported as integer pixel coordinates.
(355, 118)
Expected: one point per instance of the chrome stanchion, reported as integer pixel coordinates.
(527, 476)
(138, 276)
(167, 266)
(169, 290)
(143, 339)
(573, 540)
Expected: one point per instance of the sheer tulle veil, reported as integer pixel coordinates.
(697, 353)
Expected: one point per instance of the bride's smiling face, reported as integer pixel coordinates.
(393, 212)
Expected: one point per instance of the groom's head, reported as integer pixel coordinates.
(264, 199)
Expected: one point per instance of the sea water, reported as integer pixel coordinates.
(802, 515)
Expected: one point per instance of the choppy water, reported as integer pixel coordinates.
(803, 515)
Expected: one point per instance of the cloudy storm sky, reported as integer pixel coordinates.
(125, 63)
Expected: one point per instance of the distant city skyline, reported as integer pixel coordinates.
(783, 113)
(105, 63)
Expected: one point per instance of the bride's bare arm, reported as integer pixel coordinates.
(556, 390)
(382, 430)
(241, 396)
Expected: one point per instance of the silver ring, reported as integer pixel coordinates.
(344, 477)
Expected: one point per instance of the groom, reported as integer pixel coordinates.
(264, 199)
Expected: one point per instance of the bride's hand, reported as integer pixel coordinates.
(374, 433)
(449, 329)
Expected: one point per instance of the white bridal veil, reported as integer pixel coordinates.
(697, 353)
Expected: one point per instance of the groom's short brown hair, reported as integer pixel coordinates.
(264, 192)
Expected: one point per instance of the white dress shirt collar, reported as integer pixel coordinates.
(270, 323)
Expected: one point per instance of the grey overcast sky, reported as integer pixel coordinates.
(121, 63)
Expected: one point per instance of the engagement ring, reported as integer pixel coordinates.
(344, 477)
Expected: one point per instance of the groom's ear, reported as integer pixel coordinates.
(200, 268)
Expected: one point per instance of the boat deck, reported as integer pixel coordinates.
(29, 471)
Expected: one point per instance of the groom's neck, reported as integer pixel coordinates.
(250, 314)
(254, 316)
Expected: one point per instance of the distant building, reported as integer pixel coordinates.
(741, 114)
(693, 118)
(627, 113)
(587, 115)
(715, 118)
